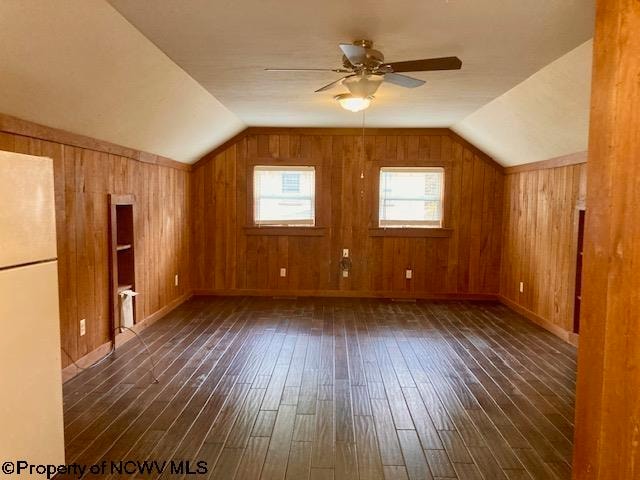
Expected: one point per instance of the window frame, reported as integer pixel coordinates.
(292, 165)
(376, 229)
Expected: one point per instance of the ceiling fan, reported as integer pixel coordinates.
(367, 70)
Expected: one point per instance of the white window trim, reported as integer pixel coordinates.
(382, 223)
(304, 222)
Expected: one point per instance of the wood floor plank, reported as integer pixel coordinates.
(415, 461)
(275, 465)
(346, 466)
(421, 419)
(333, 389)
(299, 465)
(227, 464)
(241, 430)
(386, 432)
(369, 460)
(439, 464)
(455, 447)
(252, 460)
(323, 455)
(395, 472)
(264, 423)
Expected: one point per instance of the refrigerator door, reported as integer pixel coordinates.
(30, 376)
(27, 209)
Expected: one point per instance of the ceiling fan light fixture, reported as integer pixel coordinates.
(363, 85)
(353, 103)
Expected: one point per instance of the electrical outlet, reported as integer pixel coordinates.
(175, 280)
(83, 327)
(283, 272)
(521, 287)
(408, 274)
(345, 253)
(345, 273)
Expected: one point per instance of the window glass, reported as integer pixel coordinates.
(284, 195)
(411, 196)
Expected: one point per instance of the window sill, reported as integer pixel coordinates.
(284, 231)
(411, 232)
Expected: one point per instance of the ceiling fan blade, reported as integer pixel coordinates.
(332, 84)
(356, 54)
(426, 65)
(337, 70)
(403, 80)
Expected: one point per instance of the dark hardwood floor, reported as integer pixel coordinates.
(332, 388)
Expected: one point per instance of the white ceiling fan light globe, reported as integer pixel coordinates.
(365, 85)
(352, 103)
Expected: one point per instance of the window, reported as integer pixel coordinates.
(284, 195)
(411, 197)
(291, 182)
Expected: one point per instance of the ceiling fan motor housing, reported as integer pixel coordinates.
(372, 60)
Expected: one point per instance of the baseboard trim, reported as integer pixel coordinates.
(346, 294)
(71, 371)
(568, 337)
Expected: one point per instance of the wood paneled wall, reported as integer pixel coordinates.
(539, 247)
(607, 438)
(231, 257)
(83, 178)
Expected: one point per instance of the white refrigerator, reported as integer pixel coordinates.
(31, 423)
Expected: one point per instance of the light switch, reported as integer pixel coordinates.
(345, 273)
(283, 272)
(521, 287)
(83, 327)
(345, 253)
(408, 274)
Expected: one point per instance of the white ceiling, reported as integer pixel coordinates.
(226, 44)
(545, 116)
(80, 66)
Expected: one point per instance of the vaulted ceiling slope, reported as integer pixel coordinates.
(225, 45)
(178, 78)
(80, 66)
(544, 117)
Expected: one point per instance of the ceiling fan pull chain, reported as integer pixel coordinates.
(364, 147)
(364, 152)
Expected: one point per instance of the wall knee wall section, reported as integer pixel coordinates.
(85, 171)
